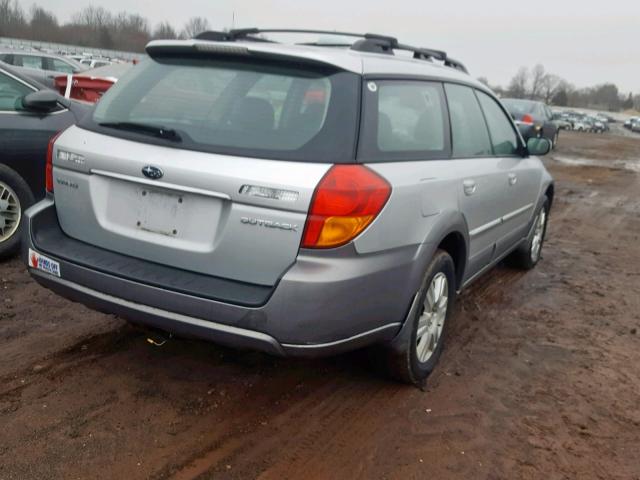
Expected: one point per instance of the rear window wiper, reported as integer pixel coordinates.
(155, 130)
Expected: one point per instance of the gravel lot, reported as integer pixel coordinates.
(539, 380)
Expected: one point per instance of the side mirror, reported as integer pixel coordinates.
(43, 101)
(538, 146)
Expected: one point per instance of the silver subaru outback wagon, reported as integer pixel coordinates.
(299, 199)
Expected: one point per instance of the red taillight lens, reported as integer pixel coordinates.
(49, 172)
(345, 202)
(527, 119)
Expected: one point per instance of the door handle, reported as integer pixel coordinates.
(470, 187)
(513, 179)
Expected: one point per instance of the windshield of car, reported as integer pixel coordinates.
(519, 107)
(255, 109)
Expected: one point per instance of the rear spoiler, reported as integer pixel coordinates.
(257, 50)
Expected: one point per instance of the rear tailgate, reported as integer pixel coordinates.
(207, 214)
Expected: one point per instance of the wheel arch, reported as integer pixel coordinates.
(550, 192)
(455, 245)
(451, 234)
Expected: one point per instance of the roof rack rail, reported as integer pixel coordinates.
(368, 42)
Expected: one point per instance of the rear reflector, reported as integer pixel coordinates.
(271, 193)
(49, 167)
(346, 201)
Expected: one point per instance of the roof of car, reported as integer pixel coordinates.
(344, 58)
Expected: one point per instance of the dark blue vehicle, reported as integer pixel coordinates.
(30, 114)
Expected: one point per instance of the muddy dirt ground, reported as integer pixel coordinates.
(540, 378)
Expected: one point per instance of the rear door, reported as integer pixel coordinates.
(223, 184)
(482, 177)
(519, 176)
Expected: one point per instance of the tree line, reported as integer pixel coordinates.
(96, 27)
(538, 84)
(91, 27)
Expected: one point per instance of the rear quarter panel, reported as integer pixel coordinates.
(423, 195)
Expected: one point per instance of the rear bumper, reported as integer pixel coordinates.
(326, 303)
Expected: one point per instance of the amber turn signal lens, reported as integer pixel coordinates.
(346, 201)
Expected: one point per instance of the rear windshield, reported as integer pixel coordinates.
(281, 111)
(519, 107)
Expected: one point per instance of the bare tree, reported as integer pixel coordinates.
(12, 19)
(44, 25)
(538, 75)
(93, 17)
(130, 31)
(551, 84)
(165, 31)
(195, 26)
(518, 86)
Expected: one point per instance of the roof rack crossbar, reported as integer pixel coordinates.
(369, 42)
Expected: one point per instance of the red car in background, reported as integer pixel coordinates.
(90, 85)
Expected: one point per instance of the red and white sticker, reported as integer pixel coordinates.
(40, 262)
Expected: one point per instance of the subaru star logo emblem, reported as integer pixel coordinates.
(154, 173)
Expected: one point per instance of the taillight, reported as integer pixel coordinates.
(49, 172)
(346, 201)
(527, 119)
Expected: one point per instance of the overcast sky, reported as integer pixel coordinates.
(587, 42)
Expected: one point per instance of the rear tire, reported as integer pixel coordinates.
(412, 359)
(15, 198)
(529, 254)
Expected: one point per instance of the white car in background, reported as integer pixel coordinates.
(581, 126)
(95, 62)
(629, 123)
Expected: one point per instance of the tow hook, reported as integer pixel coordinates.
(158, 340)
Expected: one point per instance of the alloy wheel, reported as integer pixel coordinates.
(538, 236)
(10, 212)
(431, 322)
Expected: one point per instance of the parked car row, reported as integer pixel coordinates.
(41, 67)
(90, 76)
(582, 122)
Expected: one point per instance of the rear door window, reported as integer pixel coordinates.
(404, 120)
(470, 137)
(503, 137)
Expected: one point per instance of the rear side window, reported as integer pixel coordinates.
(28, 61)
(60, 66)
(503, 136)
(270, 110)
(404, 120)
(469, 133)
